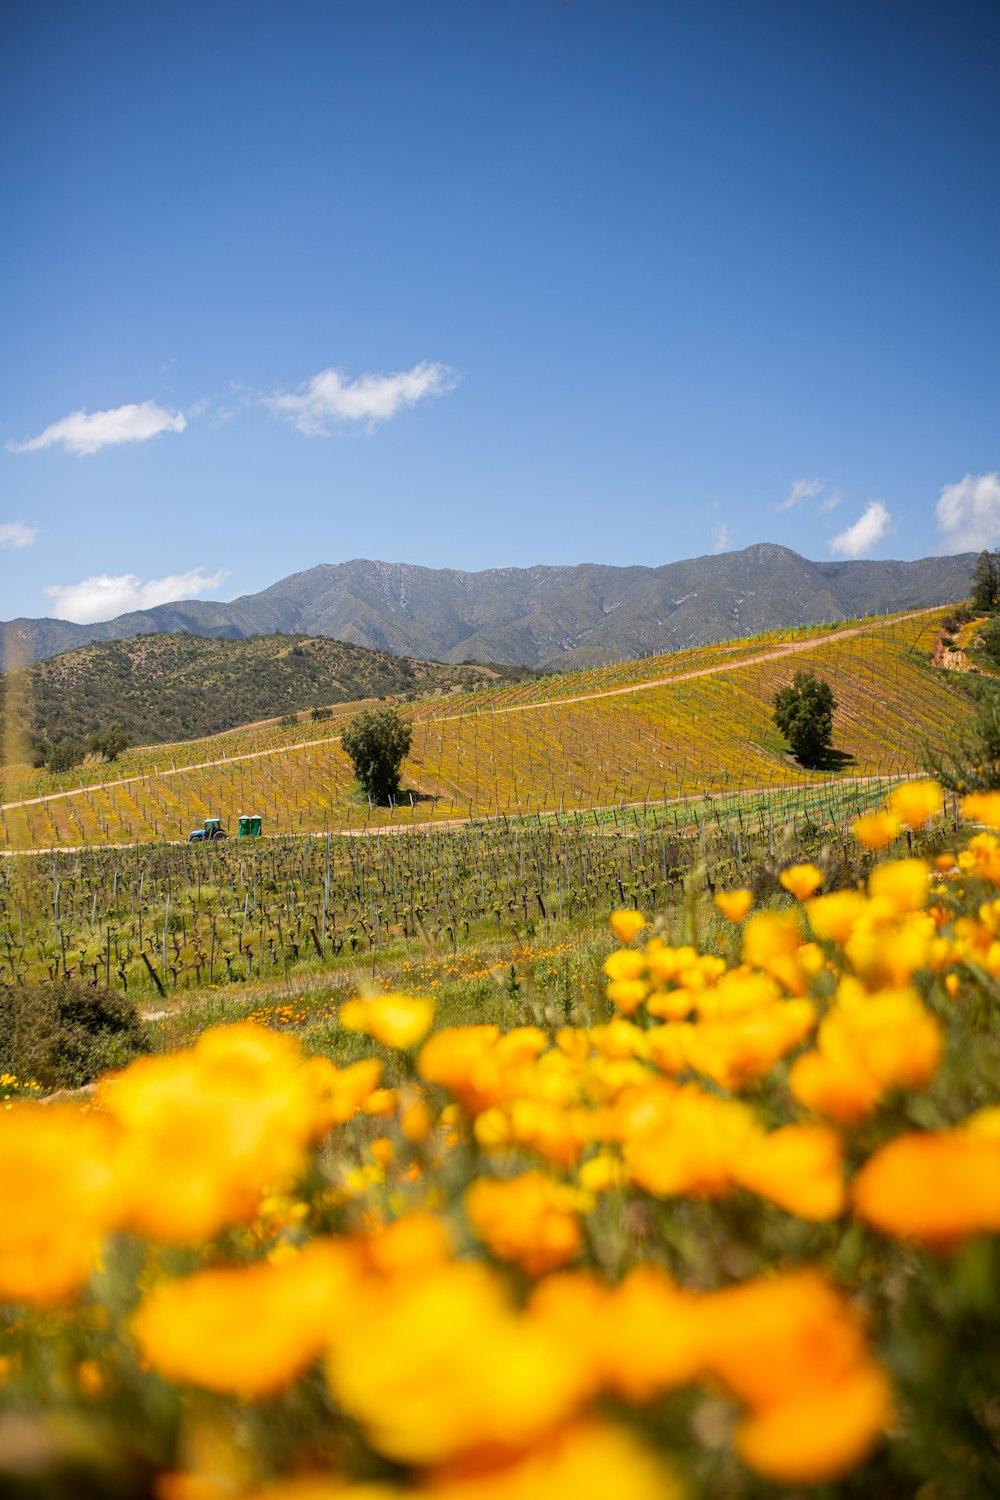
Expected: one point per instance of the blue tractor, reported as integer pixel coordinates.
(213, 829)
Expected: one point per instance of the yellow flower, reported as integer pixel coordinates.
(627, 985)
(602, 1173)
(833, 917)
(626, 995)
(802, 881)
(627, 925)
(734, 904)
(205, 1131)
(462, 1060)
(771, 941)
(394, 1020)
(902, 884)
(876, 830)
(914, 802)
(438, 1364)
(340, 1092)
(249, 1331)
(592, 1462)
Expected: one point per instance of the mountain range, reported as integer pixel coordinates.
(542, 617)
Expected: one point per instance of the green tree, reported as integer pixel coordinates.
(110, 742)
(66, 753)
(376, 741)
(986, 580)
(803, 712)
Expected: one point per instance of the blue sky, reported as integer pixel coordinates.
(483, 283)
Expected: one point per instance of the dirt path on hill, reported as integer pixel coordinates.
(786, 648)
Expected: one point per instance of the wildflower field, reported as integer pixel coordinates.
(728, 1231)
(647, 733)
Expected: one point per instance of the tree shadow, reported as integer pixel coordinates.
(828, 760)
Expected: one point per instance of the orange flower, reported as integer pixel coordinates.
(248, 1331)
(839, 1088)
(982, 807)
(462, 1060)
(57, 1168)
(937, 1188)
(915, 802)
(651, 1336)
(586, 1462)
(771, 941)
(834, 917)
(876, 830)
(206, 1130)
(627, 925)
(802, 881)
(394, 1020)
(734, 904)
(820, 1436)
(438, 1364)
(816, 1362)
(800, 1167)
(531, 1220)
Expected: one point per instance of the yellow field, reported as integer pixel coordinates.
(654, 730)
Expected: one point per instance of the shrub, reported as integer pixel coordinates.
(64, 1034)
(970, 762)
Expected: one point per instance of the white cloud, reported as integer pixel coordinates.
(101, 597)
(831, 502)
(868, 529)
(87, 432)
(968, 513)
(721, 538)
(328, 397)
(802, 489)
(16, 534)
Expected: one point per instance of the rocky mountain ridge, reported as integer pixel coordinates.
(544, 616)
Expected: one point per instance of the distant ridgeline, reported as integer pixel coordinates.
(549, 617)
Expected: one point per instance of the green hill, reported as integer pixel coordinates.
(176, 687)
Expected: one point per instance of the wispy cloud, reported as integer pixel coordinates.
(802, 489)
(329, 397)
(721, 538)
(16, 534)
(968, 513)
(102, 597)
(870, 527)
(87, 432)
(831, 502)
